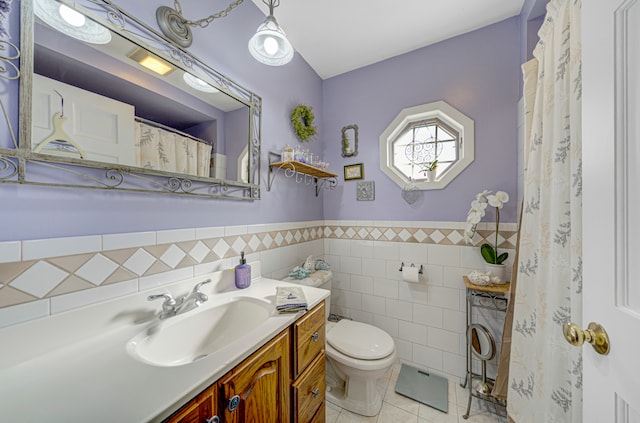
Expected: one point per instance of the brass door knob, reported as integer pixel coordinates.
(594, 335)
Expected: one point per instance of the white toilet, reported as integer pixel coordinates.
(358, 358)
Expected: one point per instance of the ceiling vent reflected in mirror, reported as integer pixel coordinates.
(71, 22)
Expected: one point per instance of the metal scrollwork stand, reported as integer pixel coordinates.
(492, 297)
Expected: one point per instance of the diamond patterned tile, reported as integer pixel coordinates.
(221, 248)
(71, 263)
(97, 269)
(173, 256)
(11, 296)
(39, 279)
(239, 244)
(9, 271)
(288, 237)
(157, 250)
(60, 275)
(69, 285)
(376, 234)
(437, 236)
(120, 275)
(254, 243)
(420, 236)
(157, 267)
(267, 240)
(455, 237)
(140, 262)
(120, 256)
(350, 232)
(404, 235)
(186, 262)
(199, 251)
(389, 234)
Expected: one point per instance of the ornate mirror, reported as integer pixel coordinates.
(350, 141)
(107, 102)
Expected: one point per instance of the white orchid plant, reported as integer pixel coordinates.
(476, 213)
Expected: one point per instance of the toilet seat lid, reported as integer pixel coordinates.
(359, 340)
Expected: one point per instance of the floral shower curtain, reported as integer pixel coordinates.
(545, 379)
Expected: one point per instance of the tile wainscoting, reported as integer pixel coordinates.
(39, 278)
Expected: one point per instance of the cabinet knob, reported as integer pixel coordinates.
(214, 419)
(233, 403)
(315, 337)
(315, 393)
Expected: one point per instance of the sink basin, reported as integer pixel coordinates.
(196, 334)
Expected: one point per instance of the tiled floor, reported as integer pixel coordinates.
(399, 409)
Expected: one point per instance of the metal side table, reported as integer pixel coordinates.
(491, 297)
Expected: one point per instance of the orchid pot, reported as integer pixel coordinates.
(494, 262)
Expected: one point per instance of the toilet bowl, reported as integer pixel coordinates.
(359, 357)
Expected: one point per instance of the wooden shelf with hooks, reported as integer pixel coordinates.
(302, 172)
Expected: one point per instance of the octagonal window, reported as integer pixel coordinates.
(427, 146)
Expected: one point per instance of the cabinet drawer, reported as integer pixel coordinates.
(309, 337)
(309, 390)
(321, 414)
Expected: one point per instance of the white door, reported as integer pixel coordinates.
(611, 206)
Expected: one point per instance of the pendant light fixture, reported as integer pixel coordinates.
(269, 45)
(178, 29)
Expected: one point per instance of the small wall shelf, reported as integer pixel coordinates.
(303, 173)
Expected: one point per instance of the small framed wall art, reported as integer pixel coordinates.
(366, 191)
(354, 171)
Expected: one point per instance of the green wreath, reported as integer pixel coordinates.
(302, 120)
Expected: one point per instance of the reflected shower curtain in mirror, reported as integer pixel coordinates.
(545, 380)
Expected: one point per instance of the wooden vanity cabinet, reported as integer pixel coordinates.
(282, 382)
(261, 384)
(201, 409)
(308, 387)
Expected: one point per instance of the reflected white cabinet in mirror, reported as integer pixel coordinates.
(93, 115)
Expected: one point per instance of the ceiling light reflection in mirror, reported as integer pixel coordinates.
(70, 22)
(179, 99)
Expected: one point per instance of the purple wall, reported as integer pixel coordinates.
(29, 212)
(478, 73)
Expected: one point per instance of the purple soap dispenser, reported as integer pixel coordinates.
(243, 273)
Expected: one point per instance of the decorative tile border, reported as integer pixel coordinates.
(39, 277)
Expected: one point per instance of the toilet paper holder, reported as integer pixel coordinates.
(412, 265)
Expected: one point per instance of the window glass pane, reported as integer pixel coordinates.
(448, 152)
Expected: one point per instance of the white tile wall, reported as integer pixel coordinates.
(427, 320)
(9, 251)
(43, 248)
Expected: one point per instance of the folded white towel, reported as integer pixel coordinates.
(290, 299)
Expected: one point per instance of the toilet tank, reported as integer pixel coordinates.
(318, 279)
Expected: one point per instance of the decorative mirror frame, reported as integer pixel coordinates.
(23, 166)
(345, 141)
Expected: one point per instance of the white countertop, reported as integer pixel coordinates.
(75, 367)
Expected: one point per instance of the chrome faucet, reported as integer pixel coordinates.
(172, 307)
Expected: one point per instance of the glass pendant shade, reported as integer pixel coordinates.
(269, 45)
(71, 22)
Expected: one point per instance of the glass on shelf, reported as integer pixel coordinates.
(287, 154)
